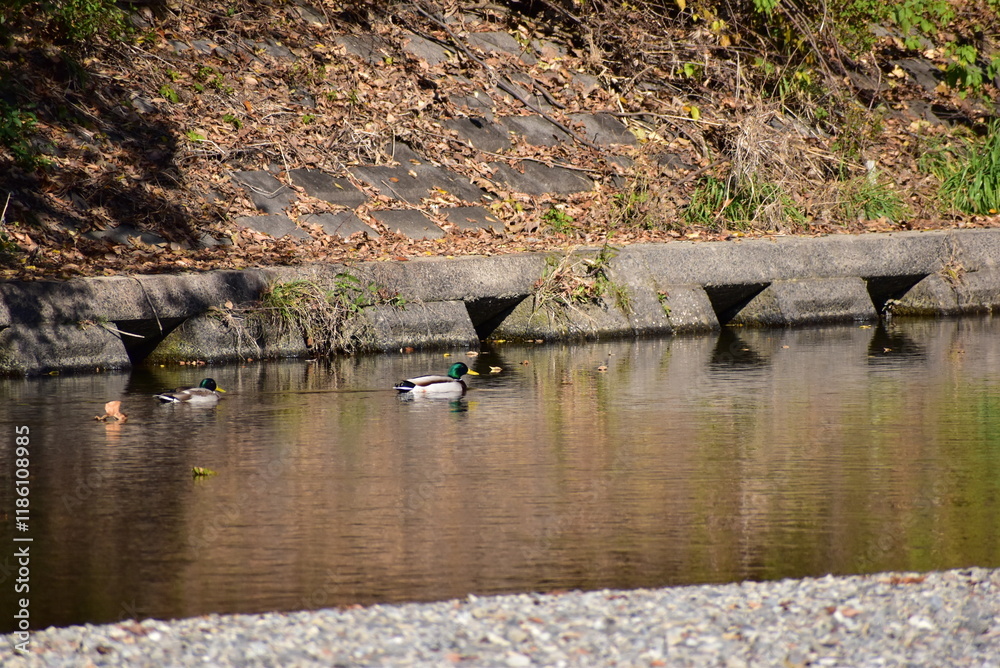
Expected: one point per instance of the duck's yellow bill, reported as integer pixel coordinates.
(472, 373)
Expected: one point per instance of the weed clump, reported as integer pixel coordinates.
(573, 281)
(969, 173)
(329, 319)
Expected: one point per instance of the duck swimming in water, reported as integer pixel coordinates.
(207, 392)
(450, 384)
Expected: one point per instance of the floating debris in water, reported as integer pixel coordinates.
(112, 411)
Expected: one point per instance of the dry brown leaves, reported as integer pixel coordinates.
(112, 411)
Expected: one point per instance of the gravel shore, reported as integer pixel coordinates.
(949, 618)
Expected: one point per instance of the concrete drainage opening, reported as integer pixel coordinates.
(883, 288)
(728, 300)
(140, 337)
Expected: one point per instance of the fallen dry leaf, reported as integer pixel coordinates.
(112, 410)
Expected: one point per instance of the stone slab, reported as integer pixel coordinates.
(428, 51)
(604, 129)
(340, 224)
(215, 338)
(974, 250)
(476, 103)
(480, 133)
(648, 308)
(124, 298)
(309, 15)
(206, 240)
(918, 109)
(688, 309)
(464, 278)
(673, 162)
(267, 193)
(783, 258)
(423, 325)
(36, 349)
(276, 226)
(274, 49)
(472, 218)
(183, 295)
(531, 320)
(525, 88)
(413, 183)
(939, 295)
(933, 296)
(332, 189)
(427, 279)
(549, 50)
(204, 46)
(808, 302)
(410, 223)
(535, 130)
(645, 311)
(498, 42)
(126, 234)
(365, 47)
(534, 178)
(979, 291)
(403, 153)
(585, 84)
(922, 72)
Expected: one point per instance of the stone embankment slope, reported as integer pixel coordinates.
(637, 290)
(538, 131)
(520, 138)
(490, 118)
(237, 137)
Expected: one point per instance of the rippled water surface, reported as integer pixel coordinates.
(745, 455)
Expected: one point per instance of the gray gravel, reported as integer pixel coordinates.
(949, 618)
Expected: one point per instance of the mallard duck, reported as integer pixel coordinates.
(450, 384)
(207, 392)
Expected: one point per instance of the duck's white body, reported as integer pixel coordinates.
(431, 385)
(206, 393)
(451, 384)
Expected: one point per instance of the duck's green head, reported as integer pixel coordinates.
(209, 384)
(458, 369)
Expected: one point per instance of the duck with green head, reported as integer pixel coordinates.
(437, 385)
(206, 393)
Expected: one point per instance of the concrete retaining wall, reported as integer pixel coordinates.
(681, 287)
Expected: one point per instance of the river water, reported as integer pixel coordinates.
(752, 454)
